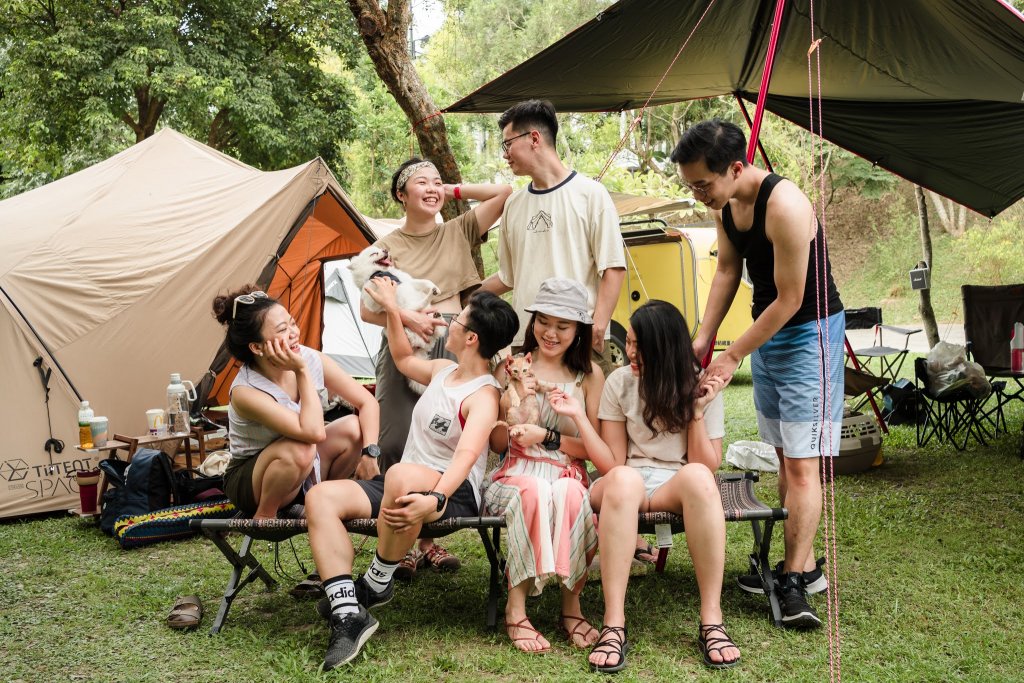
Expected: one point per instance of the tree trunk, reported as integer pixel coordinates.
(149, 112)
(952, 217)
(931, 329)
(384, 33)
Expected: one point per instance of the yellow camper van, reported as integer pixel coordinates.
(675, 265)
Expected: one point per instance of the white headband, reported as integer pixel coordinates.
(407, 172)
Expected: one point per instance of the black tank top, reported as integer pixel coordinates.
(754, 246)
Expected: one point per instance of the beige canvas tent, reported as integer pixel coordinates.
(107, 277)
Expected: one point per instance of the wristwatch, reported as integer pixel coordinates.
(372, 450)
(441, 498)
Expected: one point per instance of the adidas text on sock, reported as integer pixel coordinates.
(341, 591)
(379, 574)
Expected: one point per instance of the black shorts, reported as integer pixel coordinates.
(238, 487)
(462, 503)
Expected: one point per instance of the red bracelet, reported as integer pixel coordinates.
(457, 192)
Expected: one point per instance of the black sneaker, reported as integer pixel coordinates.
(349, 632)
(796, 612)
(365, 596)
(814, 580)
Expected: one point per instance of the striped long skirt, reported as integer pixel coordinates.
(551, 528)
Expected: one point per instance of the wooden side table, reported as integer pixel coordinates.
(131, 444)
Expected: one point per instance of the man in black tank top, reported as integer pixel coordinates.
(798, 330)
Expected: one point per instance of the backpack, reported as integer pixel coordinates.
(902, 404)
(141, 486)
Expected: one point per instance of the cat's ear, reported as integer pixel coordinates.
(508, 364)
(529, 357)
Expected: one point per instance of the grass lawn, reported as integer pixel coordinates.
(928, 546)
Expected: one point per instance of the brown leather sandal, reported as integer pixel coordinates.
(710, 642)
(575, 630)
(523, 624)
(186, 613)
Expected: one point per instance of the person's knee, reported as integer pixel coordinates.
(698, 482)
(569, 490)
(295, 457)
(318, 502)
(400, 479)
(333, 500)
(346, 428)
(623, 484)
(802, 473)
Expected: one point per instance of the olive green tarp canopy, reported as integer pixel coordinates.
(932, 90)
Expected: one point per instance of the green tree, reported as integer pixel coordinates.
(83, 79)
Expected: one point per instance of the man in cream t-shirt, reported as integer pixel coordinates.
(562, 224)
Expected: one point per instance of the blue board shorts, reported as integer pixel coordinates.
(792, 391)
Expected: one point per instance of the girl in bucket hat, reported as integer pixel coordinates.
(541, 483)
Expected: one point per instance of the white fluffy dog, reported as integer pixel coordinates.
(413, 294)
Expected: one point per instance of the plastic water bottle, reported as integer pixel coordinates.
(85, 415)
(179, 398)
(1017, 349)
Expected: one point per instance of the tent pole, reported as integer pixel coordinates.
(766, 77)
(42, 343)
(760, 147)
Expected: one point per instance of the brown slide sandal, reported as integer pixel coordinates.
(186, 613)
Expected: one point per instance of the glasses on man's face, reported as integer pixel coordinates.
(249, 298)
(701, 187)
(505, 144)
(468, 328)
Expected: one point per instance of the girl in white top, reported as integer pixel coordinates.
(279, 443)
(445, 455)
(660, 442)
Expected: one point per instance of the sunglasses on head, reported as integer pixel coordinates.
(249, 298)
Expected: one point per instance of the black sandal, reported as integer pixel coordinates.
(608, 645)
(709, 643)
(649, 550)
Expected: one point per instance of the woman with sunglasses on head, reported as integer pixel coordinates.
(660, 442)
(441, 253)
(541, 484)
(279, 444)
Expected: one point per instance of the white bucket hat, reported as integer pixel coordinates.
(562, 298)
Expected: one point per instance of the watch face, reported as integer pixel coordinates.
(373, 450)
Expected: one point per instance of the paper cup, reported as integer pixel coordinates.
(157, 421)
(99, 431)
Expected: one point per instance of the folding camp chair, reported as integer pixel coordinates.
(989, 315)
(879, 359)
(862, 380)
(953, 416)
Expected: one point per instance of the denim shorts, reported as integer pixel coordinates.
(793, 388)
(654, 477)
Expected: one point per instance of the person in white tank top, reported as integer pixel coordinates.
(439, 474)
(279, 443)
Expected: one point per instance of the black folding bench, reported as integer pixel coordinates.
(740, 502)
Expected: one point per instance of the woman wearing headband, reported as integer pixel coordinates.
(440, 252)
(279, 444)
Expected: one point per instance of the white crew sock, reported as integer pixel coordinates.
(380, 573)
(341, 591)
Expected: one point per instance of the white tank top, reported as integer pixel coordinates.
(248, 437)
(436, 425)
